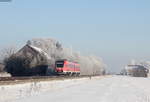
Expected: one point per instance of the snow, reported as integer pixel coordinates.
(108, 89)
(40, 51)
(11, 92)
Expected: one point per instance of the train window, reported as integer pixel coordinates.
(69, 65)
(59, 64)
(73, 66)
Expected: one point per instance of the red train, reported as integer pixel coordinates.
(66, 67)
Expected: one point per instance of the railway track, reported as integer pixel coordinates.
(14, 80)
(25, 78)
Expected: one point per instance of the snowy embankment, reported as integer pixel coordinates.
(5, 75)
(107, 89)
(9, 93)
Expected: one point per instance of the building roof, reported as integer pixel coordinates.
(35, 49)
(39, 50)
(134, 67)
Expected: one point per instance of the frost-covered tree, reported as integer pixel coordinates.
(5, 53)
(89, 64)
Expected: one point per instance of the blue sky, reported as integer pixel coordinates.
(116, 30)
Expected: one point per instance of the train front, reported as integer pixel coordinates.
(59, 67)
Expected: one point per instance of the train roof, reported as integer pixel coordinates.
(135, 67)
(67, 60)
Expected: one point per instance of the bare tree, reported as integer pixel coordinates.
(7, 52)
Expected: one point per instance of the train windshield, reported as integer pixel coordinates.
(60, 64)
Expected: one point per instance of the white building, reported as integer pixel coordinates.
(136, 70)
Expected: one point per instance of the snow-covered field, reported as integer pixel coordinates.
(12, 92)
(109, 89)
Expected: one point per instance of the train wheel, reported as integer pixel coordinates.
(78, 74)
(69, 74)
